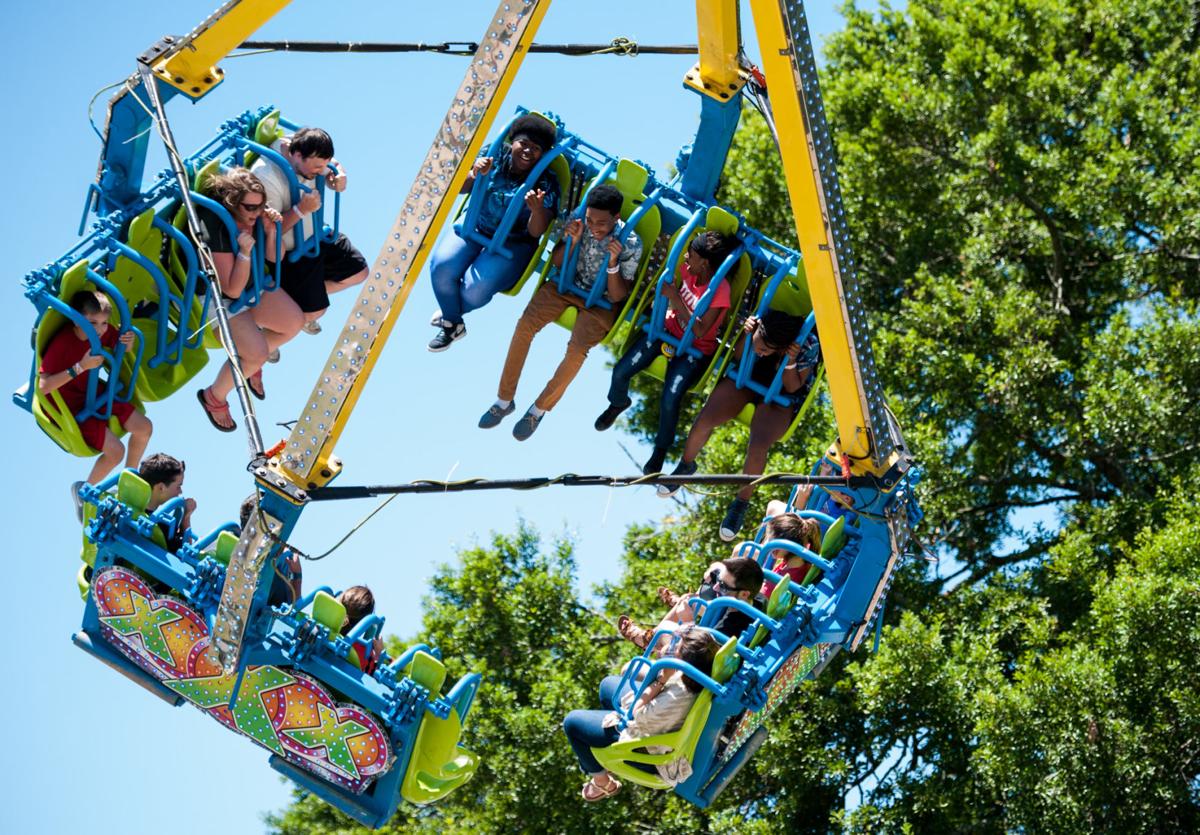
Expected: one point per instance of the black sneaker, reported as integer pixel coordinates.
(666, 491)
(735, 517)
(655, 464)
(492, 417)
(447, 336)
(527, 425)
(608, 417)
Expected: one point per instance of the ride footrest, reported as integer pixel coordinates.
(241, 584)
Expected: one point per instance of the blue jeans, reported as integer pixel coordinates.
(682, 374)
(585, 729)
(465, 277)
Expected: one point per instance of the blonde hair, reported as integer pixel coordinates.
(230, 188)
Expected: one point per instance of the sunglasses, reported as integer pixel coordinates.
(252, 207)
(719, 585)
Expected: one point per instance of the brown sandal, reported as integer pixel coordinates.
(637, 635)
(668, 597)
(599, 792)
(214, 410)
(255, 384)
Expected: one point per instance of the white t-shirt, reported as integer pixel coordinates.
(279, 192)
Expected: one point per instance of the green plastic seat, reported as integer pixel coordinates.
(266, 132)
(225, 546)
(791, 297)
(427, 671)
(716, 220)
(778, 605)
(49, 411)
(328, 611)
(438, 764)
(178, 272)
(137, 286)
(81, 580)
(134, 492)
(617, 758)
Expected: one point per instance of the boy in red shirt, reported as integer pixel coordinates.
(704, 257)
(68, 362)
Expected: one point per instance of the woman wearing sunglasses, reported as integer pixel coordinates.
(257, 331)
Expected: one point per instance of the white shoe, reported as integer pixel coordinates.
(312, 327)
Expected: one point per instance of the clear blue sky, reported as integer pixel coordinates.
(83, 736)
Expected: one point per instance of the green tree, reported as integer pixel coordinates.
(1021, 181)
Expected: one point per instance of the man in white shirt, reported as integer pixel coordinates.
(309, 280)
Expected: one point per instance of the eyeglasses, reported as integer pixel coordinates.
(252, 207)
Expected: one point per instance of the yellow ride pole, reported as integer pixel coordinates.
(865, 432)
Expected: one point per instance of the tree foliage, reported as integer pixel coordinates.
(1021, 181)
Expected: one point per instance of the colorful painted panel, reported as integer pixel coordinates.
(286, 712)
(794, 671)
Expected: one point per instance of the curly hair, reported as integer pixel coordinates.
(231, 187)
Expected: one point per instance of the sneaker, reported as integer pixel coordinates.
(655, 464)
(447, 336)
(78, 500)
(608, 417)
(273, 356)
(735, 516)
(527, 425)
(436, 320)
(492, 417)
(313, 327)
(666, 491)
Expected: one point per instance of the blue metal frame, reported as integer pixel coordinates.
(281, 638)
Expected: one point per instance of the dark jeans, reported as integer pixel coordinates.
(682, 374)
(585, 730)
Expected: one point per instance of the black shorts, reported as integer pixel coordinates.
(304, 279)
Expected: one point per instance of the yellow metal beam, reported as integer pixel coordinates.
(716, 74)
(857, 399)
(191, 63)
(307, 458)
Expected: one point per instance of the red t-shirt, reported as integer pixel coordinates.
(66, 349)
(691, 291)
(795, 573)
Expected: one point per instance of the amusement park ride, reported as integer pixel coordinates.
(195, 624)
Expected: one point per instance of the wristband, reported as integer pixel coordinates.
(299, 214)
(241, 256)
(614, 270)
(74, 371)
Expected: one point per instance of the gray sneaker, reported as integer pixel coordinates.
(273, 356)
(492, 417)
(78, 500)
(527, 425)
(312, 328)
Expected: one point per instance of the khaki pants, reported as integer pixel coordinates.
(547, 304)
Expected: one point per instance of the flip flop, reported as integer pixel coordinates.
(598, 792)
(210, 410)
(257, 390)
